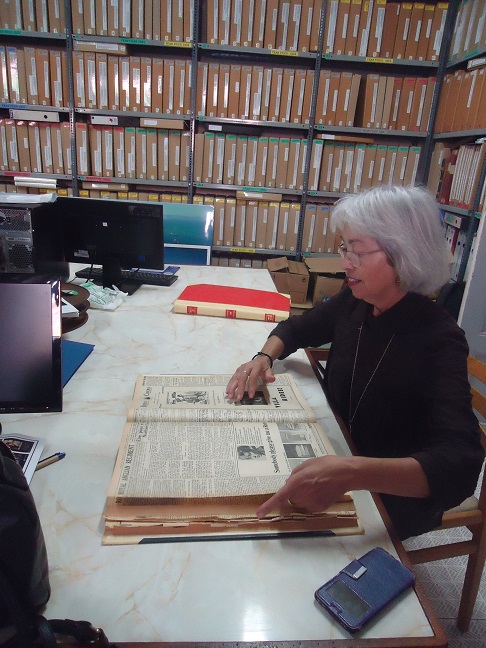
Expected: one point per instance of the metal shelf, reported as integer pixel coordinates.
(477, 132)
(245, 250)
(138, 181)
(30, 34)
(251, 122)
(255, 51)
(270, 190)
(13, 106)
(380, 61)
(131, 41)
(131, 113)
(358, 130)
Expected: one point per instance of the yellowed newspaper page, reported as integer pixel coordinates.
(203, 398)
(202, 461)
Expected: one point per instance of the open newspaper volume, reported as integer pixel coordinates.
(194, 464)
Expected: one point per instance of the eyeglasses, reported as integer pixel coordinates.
(354, 257)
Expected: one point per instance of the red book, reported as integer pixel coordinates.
(233, 302)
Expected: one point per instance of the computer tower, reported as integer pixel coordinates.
(31, 239)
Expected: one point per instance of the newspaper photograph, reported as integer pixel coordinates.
(203, 398)
(26, 450)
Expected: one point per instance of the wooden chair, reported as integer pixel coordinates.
(471, 514)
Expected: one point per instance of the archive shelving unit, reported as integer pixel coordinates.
(193, 48)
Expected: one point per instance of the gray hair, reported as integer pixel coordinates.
(406, 223)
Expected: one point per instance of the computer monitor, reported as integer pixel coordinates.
(30, 344)
(115, 234)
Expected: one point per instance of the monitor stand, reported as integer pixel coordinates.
(109, 276)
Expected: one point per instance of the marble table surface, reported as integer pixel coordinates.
(232, 590)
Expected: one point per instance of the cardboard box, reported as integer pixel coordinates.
(326, 277)
(290, 278)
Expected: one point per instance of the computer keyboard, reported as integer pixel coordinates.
(140, 277)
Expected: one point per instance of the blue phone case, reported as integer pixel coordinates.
(364, 587)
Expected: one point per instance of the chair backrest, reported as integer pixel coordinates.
(477, 370)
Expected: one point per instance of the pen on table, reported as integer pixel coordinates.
(50, 460)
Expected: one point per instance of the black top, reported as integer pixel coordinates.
(418, 403)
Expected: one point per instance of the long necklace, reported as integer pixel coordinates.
(352, 415)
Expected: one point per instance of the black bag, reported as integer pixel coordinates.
(24, 573)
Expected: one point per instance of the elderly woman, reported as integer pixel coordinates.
(396, 373)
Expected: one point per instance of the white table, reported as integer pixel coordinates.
(207, 591)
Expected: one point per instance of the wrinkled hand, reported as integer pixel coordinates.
(312, 487)
(246, 377)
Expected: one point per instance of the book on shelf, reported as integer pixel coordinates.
(194, 464)
(233, 302)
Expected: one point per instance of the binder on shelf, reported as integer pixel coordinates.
(342, 22)
(437, 30)
(330, 25)
(403, 28)
(351, 44)
(377, 27)
(414, 30)
(389, 33)
(364, 28)
(425, 32)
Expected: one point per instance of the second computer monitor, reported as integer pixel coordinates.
(114, 234)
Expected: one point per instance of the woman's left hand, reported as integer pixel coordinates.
(312, 487)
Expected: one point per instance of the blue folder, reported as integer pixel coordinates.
(73, 356)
